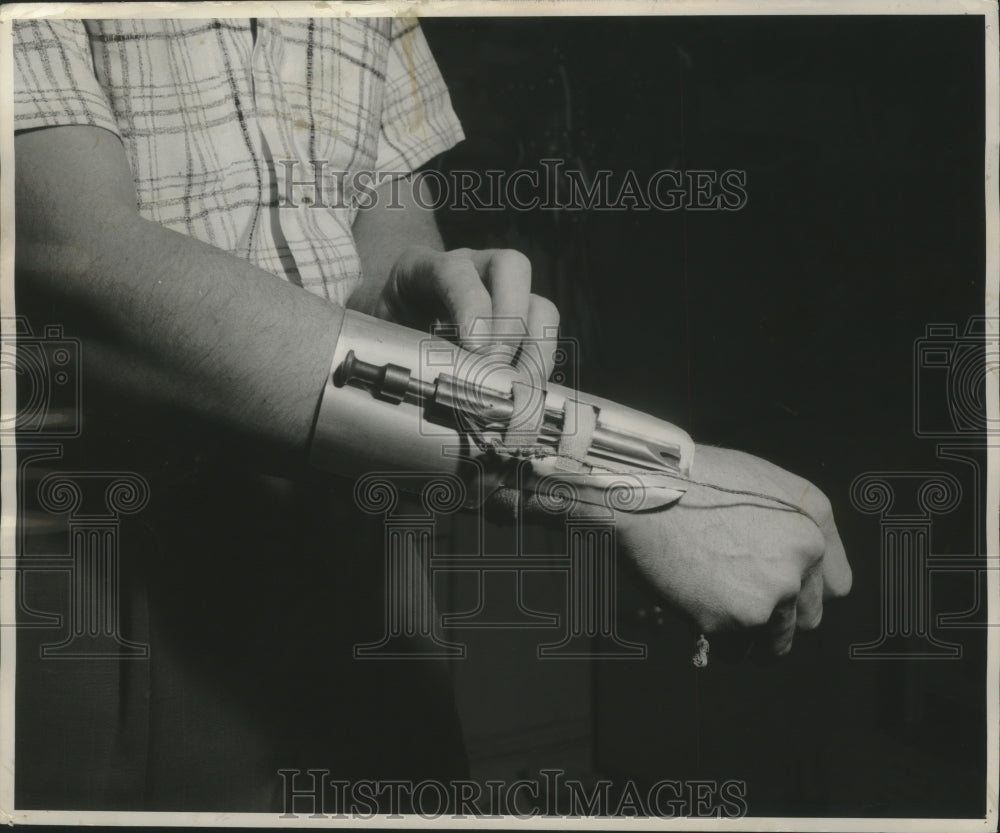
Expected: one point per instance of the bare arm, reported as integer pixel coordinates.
(181, 326)
(167, 321)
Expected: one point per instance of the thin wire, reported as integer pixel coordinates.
(748, 493)
(499, 448)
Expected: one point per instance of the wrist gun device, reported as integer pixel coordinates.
(398, 400)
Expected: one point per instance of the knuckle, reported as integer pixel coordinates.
(456, 271)
(450, 261)
(408, 259)
(516, 263)
(752, 614)
(843, 587)
(545, 308)
(818, 505)
(813, 544)
(784, 581)
(810, 620)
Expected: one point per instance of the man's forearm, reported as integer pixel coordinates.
(172, 323)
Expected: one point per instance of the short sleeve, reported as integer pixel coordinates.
(54, 79)
(418, 121)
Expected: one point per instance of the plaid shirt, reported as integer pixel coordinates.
(206, 108)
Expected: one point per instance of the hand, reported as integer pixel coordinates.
(490, 287)
(733, 561)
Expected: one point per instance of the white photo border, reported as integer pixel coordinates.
(988, 9)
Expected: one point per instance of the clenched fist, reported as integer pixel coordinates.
(735, 561)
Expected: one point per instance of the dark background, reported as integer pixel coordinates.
(785, 329)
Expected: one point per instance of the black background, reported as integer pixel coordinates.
(785, 329)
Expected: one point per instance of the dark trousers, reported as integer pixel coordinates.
(250, 593)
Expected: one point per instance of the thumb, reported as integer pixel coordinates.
(837, 575)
